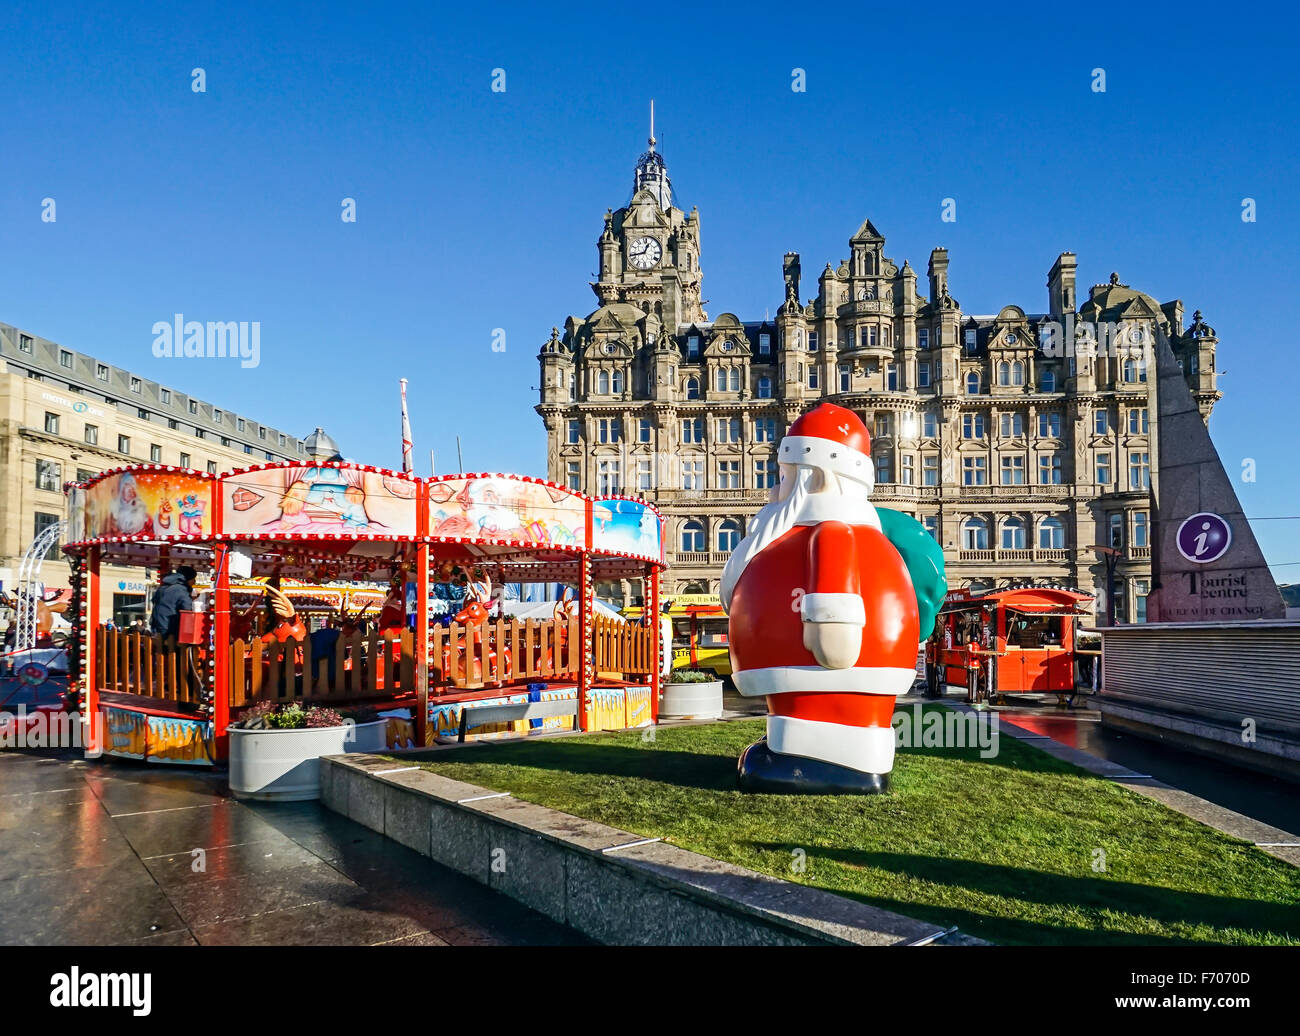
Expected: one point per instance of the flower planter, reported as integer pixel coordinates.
(691, 700)
(283, 765)
(369, 737)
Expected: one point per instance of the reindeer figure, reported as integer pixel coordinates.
(477, 610)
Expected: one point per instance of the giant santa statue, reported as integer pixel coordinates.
(828, 598)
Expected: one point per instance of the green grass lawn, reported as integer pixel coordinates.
(1002, 847)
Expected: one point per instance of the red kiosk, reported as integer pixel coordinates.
(1018, 640)
(335, 524)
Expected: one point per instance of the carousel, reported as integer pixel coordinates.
(349, 586)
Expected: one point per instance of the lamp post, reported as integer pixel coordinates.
(1109, 555)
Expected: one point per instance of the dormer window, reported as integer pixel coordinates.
(764, 344)
(693, 347)
(970, 339)
(923, 338)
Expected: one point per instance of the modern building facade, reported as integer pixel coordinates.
(1022, 440)
(65, 415)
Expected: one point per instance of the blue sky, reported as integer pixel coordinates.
(479, 210)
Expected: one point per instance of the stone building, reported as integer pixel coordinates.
(1022, 440)
(65, 415)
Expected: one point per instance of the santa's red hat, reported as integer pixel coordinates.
(830, 437)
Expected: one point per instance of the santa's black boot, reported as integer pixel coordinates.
(763, 771)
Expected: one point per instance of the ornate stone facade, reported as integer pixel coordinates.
(1022, 440)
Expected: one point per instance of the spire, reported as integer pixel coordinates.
(651, 173)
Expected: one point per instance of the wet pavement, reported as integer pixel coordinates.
(110, 853)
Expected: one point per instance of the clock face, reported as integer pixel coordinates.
(644, 252)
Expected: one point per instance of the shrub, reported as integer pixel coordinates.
(267, 715)
(691, 676)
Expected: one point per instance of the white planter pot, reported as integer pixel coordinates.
(282, 765)
(691, 700)
(369, 737)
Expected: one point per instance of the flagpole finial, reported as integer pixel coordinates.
(652, 123)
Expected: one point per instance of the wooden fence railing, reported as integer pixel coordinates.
(134, 662)
(623, 650)
(357, 666)
(504, 651)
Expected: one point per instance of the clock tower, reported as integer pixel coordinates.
(650, 250)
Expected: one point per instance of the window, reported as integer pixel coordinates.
(25, 343)
(1139, 471)
(185, 460)
(1013, 471)
(729, 474)
(846, 377)
(101, 371)
(1049, 469)
(764, 387)
(217, 415)
(693, 347)
(65, 359)
(1004, 373)
(643, 430)
(849, 338)
(575, 431)
(1051, 534)
(51, 423)
(92, 434)
(261, 431)
(142, 413)
(155, 453)
(872, 335)
(200, 433)
(923, 338)
(728, 429)
(891, 377)
(48, 476)
(1115, 525)
(194, 409)
(1101, 422)
(765, 429)
(930, 470)
(972, 383)
(1138, 423)
(764, 344)
(212, 467)
(165, 395)
(909, 470)
(929, 426)
(609, 429)
(1049, 425)
(972, 426)
(975, 534)
(573, 475)
(764, 474)
(1140, 529)
(884, 468)
(175, 426)
(1013, 426)
(1103, 469)
(123, 444)
(882, 426)
(43, 522)
(1013, 534)
(239, 424)
(812, 341)
(923, 374)
(84, 475)
(1049, 381)
(616, 381)
(970, 339)
(1141, 587)
(602, 382)
(136, 385)
(1017, 373)
(974, 471)
(282, 438)
(812, 376)
(728, 535)
(607, 475)
(692, 388)
(931, 523)
(693, 429)
(644, 474)
(693, 537)
(693, 474)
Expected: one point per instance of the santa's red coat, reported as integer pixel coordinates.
(830, 571)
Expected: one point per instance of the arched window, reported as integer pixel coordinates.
(1130, 369)
(733, 380)
(721, 380)
(728, 535)
(1049, 381)
(765, 387)
(692, 388)
(1013, 534)
(1004, 373)
(1017, 373)
(972, 383)
(975, 534)
(1051, 534)
(602, 382)
(616, 381)
(693, 537)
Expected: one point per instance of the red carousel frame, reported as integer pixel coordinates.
(394, 522)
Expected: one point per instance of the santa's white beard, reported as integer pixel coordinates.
(131, 517)
(801, 507)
